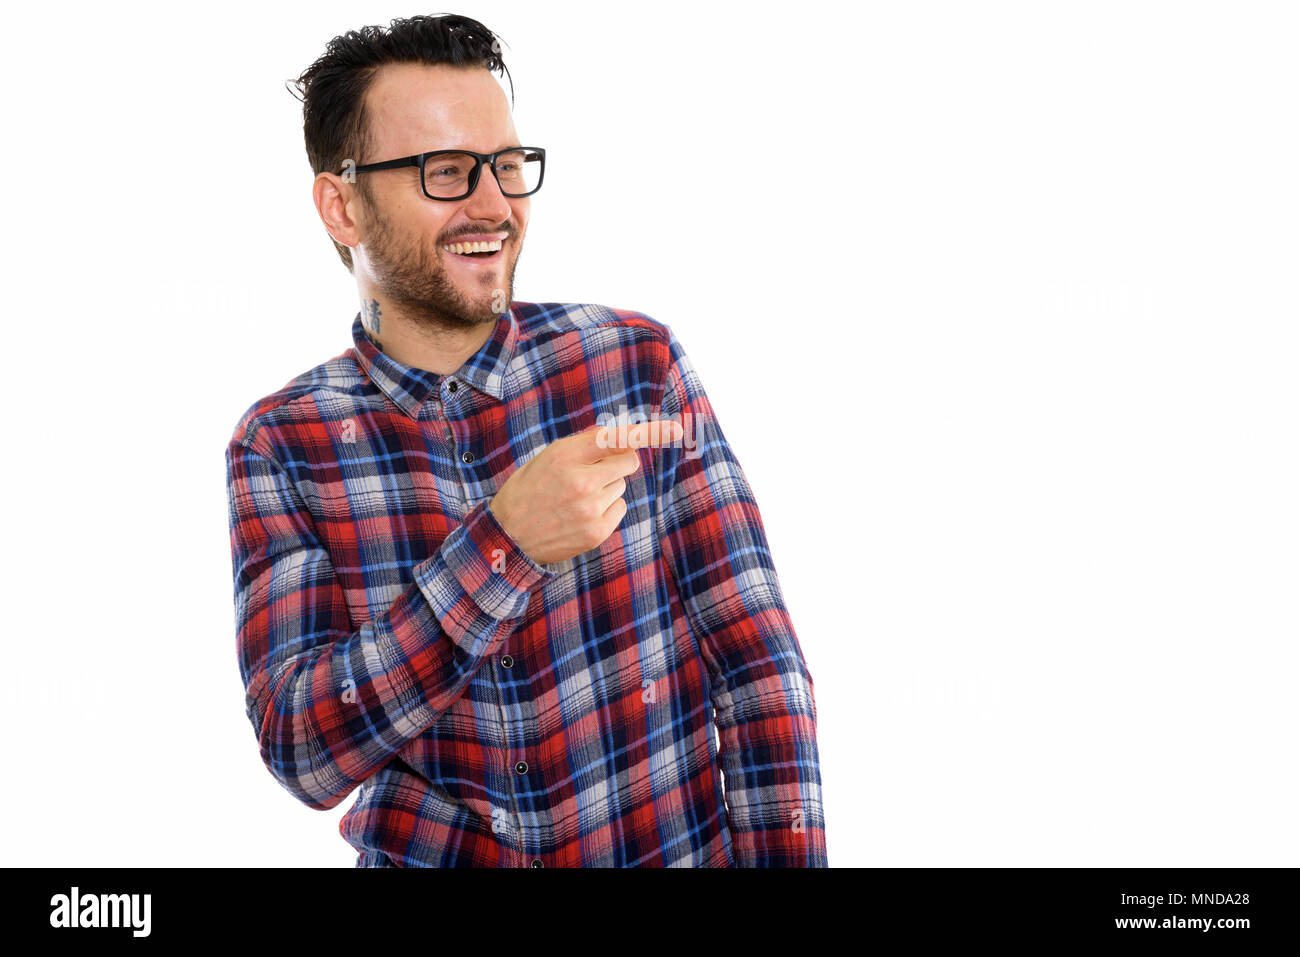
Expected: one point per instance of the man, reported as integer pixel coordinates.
(468, 585)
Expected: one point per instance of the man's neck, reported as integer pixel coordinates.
(441, 350)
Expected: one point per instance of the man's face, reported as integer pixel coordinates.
(416, 108)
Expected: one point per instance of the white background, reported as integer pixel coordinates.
(996, 303)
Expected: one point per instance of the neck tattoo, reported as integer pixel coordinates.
(370, 313)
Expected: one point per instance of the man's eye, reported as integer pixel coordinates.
(446, 171)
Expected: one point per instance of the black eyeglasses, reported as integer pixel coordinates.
(449, 175)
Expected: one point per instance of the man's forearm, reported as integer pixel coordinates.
(331, 704)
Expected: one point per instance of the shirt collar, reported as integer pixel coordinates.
(408, 386)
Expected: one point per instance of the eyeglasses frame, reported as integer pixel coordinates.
(419, 159)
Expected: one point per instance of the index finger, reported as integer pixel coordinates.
(605, 441)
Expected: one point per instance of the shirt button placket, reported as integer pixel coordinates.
(507, 661)
(521, 768)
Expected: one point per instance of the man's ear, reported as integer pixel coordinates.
(331, 196)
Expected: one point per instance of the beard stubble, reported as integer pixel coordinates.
(412, 278)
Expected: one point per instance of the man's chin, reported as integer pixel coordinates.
(441, 296)
(486, 305)
(480, 310)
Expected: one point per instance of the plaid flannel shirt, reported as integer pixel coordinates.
(393, 640)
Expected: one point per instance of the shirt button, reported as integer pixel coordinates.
(506, 661)
(452, 386)
(521, 767)
(467, 457)
(537, 863)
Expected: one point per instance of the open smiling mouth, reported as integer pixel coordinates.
(482, 251)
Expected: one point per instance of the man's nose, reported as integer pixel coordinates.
(487, 199)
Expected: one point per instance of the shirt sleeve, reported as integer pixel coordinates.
(331, 703)
(766, 715)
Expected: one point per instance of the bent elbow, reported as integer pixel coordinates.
(289, 752)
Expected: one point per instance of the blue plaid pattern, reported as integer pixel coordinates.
(394, 641)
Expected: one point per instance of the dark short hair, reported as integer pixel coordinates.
(333, 88)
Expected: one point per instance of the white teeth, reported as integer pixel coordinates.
(476, 247)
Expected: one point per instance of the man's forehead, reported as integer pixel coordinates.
(414, 107)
